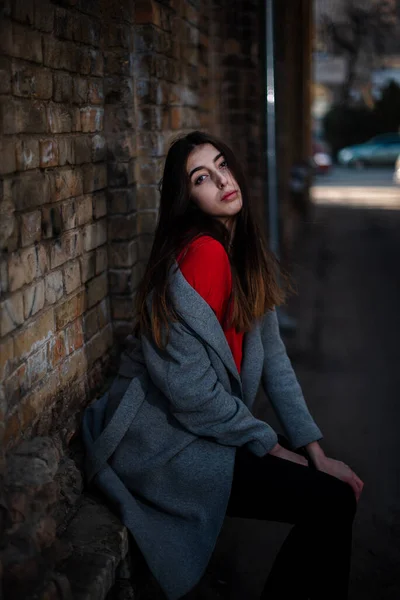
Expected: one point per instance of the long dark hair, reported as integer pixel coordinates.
(254, 269)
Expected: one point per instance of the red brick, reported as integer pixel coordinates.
(31, 227)
(7, 156)
(96, 92)
(48, 153)
(30, 338)
(34, 299)
(65, 183)
(74, 336)
(27, 154)
(57, 349)
(31, 81)
(92, 119)
(69, 310)
(59, 118)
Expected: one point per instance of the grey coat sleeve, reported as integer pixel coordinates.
(198, 400)
(283, 389)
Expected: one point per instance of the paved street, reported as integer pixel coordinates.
(346, 353)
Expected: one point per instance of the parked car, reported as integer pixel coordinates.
(380, 150)
(321, 159)
(396, 175)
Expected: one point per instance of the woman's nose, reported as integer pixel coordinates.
(222, 180)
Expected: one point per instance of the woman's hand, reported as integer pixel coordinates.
(281, 452)
(333, 467)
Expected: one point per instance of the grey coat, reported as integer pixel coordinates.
(161, 443)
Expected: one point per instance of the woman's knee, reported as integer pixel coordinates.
(336, 500)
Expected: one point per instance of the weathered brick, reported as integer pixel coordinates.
(83, 150)
(33, 336)
(15, 386)
(62, 87)
(65, 23)
(66, 154)
(22, 116)
(73, 367)
(121, 174)
(27, 154)
(123, 254)
(31, 81)
(145, 244)
(68, 214)
(146, 221)
(99, 148)
(119, 90)
(70, 310)
(57, 349)
(94, 235)
(5, 75)
(44, 16)
(94, 177)
(90, 323)
(96, 91)
(103, 313)
(148, 197)
(122, 146)
(26, 265)
(121, 201)
(72, 276)
(7, 156)
(48, 150)
(22, 11)
(65, 183)
(52, 225)
(91, 119)
(97, 289)
(117, 62)
(31, 227)
(84, 209)
(176, 117)
(121, 281)
(148, 171)
(34, 299)
(74, 336)
(59, 118)
(122, 227)
(152, 143)
(120, 119)
(88, 266)
(26, 43)
(67, 247)
(99, 344)
(30, 189)
(34, 403)
(80, 90)
(54, 286)
(59, 54)
(99, 205)
(101, 259)
(37, 366)
(6, 357)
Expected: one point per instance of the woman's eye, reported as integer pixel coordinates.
(223, 165)
(199, 179)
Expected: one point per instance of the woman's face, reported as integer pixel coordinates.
(212, 186)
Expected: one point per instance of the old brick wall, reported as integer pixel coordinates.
(91, 94)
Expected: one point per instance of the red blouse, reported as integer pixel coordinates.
(205, 265)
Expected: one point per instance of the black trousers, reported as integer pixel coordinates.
(314, 560)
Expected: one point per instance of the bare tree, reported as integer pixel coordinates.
(363, 28)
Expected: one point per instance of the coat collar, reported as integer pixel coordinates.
(200, 317)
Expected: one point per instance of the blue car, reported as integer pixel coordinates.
(380, 150)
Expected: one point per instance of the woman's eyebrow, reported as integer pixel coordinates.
(199, 168)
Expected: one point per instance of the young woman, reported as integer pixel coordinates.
(174, 443)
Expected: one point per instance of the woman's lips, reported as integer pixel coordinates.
(229, 196)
